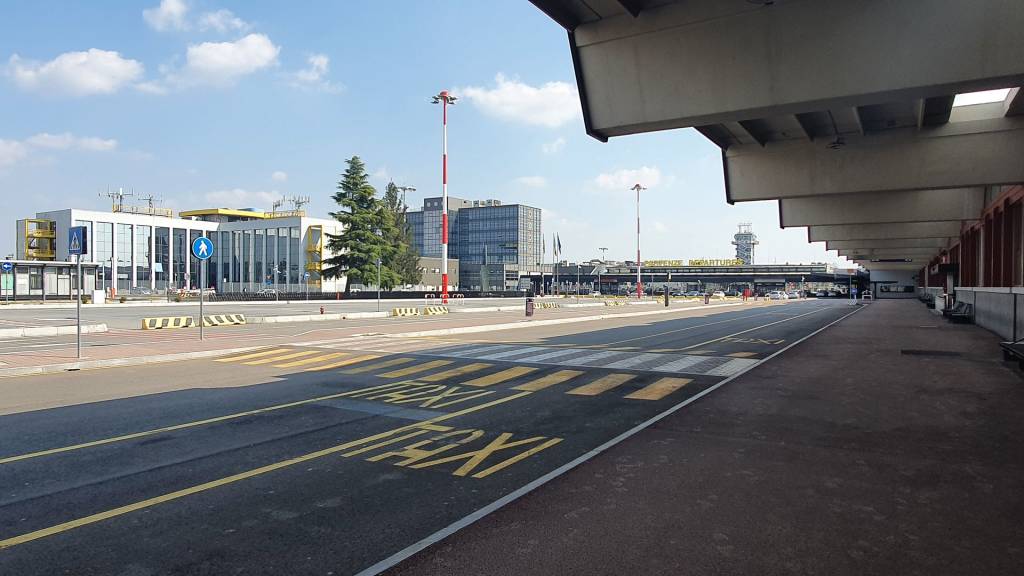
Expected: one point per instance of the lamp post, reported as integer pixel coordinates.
(444, 98)
(577, 283)
(600, 288)
(639, 282)
(378, 283)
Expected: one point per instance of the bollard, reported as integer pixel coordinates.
(321, 310)
(707, 298)
(666, 297)
(529, 307)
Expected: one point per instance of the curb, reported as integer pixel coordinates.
(117, 362)
(8, 333)
(313, 317)
(488, 309)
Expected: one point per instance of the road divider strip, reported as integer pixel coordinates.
(165, 322)
(224, 320)
(405, 311)
(43, 331)
(434, 310)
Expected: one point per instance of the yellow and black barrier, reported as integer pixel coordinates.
(405, 311)
(614, 303)
(168, 322)
(224, 320)
(547, 305)
(434, 310)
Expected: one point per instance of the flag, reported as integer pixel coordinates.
(559, 240)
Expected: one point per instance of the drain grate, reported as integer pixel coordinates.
(914, 352)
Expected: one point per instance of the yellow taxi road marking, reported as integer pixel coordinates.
(346, 362)
(499, 377)
(378, 365)
(314, 359)
(659, 389)
(742, 354)
(253, 355)
(415, 369)
(549, 380)
(459, 371)
(602, 384)
(185, 425)
(298, 354)
(120, 511)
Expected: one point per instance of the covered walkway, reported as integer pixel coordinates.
(890, 443)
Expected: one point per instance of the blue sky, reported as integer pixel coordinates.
(209, 103)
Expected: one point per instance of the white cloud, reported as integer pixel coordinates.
(225, 62)
(553, 147)
(11, 152)
(552, 104)
(279, 176)
(532, 181)
(222, 21)
(624, 179)
(67, 140)
(660, 227)
(76, 73)
(314, 76)
(170, 14)
(241, 198)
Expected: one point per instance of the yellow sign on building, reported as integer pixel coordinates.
(707, 262)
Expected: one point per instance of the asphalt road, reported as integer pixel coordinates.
(332, 458)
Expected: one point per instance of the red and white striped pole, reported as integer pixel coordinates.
(639, 282)
(445, 99)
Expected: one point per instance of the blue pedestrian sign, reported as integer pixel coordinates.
(7, 266)
(78, 240)
(202, 248)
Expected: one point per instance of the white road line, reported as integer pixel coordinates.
(679, 364)
(584, 360)
(520, 350)
(731, 367)
(638, 359)
(547, 356)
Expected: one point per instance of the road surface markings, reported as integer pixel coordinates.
(253, 355)
(659, 389)
(588, 359)
(548, 380)
(459, 371)
(185, 425)
(633, 360)
(684, 329)
(555, 354)
(721, 338)
(346, 362)
(602, 384)
(378, 365)
(415, 369)
(122, 510)
(499, 377)
(313, 360)
(514, 352)
(289, 356)
(741, 354)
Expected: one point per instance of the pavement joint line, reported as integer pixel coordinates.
(86, 364)
(142, 504)
(687, 328)
(815, 311)
(412, 549)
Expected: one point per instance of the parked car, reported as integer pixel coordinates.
(718, 294)
(820, 294)
(267, 292)
(793, 295)
(777, 295)
(595, 293)
(693, 293)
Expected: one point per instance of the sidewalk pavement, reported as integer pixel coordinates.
(131, 347)
(858, 452)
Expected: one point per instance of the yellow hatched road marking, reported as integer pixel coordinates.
(346, 362)
(298, 354)
(742, 354)
(549, 380)
(415, 369)
(385, 364)
(253, 355)
(659, 389)
(314, 359)
(113, 513)
(468, 368)
(499, 377)
(602, 384)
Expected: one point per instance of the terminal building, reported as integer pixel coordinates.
(498, 246)
(146, 249)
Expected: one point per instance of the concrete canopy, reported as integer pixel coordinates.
(936, 243)
(947, 230)
(883, 207)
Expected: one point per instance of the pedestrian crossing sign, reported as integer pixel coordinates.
(78, 240)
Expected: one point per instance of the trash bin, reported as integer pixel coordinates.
(707, 298)
(529, 306)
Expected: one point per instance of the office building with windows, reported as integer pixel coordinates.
(499, 247)
(149, 249)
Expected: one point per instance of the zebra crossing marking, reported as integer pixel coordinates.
(346, 362)
(279, 358)
(415, 369)
(659, 389)
(499, 377)
(458, 371)
(313, 360)
(252, 355)
(548, 380)
(602, 384)
(378, 365)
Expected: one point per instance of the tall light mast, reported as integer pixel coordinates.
(444, 98)
(639, 283)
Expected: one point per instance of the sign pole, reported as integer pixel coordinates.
(202, 274)
(78, 308)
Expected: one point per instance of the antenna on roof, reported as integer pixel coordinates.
(117, 197)
(298, 201)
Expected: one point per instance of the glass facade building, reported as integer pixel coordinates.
(495, 244)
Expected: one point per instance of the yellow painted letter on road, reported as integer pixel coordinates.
(476, 457)
(414, 453)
